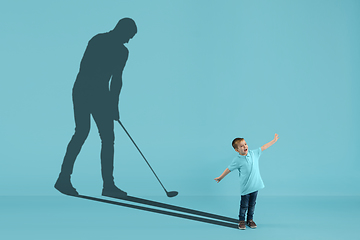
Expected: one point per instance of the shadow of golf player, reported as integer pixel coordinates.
(104, 60)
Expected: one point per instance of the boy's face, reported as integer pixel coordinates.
(242, 148)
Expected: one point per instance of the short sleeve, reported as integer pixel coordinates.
(235, 164)
(257, 153)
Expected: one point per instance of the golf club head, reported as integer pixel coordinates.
(171, 194)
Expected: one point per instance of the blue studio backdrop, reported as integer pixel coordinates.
(199, 74)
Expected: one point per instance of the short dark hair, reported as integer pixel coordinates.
(236, 141)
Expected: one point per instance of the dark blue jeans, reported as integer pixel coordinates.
(247, 204)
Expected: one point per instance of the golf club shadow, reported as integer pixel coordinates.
(230, 222)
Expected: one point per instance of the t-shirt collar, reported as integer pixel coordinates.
(242, 156)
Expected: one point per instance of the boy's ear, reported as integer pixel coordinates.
(236, 150)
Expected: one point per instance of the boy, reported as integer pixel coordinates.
(247, 163)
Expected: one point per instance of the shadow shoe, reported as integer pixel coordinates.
(64, 186)
(113, 191)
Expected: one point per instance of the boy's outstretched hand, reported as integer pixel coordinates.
(276, 137)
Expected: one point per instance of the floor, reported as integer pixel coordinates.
(181, 217)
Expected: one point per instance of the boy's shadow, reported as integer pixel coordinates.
(196, 215)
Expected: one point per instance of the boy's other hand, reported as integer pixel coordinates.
(218, 179)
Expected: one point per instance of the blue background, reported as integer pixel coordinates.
(199, 74)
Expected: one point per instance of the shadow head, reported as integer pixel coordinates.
(125, 29)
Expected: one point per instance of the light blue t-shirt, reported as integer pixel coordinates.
(249, 173)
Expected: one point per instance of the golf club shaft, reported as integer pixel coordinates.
(141, 154)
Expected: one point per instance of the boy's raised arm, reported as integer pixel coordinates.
(226, 172)
(270, 143)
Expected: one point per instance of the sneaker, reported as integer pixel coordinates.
(251, 223)
(64, 186)
(113, 191)
(242, 225)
